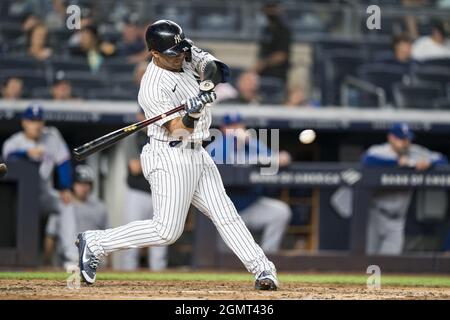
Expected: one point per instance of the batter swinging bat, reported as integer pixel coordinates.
(111, 138)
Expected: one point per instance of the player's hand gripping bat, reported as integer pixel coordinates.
(82, 152)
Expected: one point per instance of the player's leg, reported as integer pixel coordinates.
(210, 198)
(394, 238)
(134, 210)
(270, 215)
(173, 181)
(373, 237)
(157, 255)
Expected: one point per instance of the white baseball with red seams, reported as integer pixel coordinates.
(179, 176)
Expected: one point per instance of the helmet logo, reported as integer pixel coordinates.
(177, 38)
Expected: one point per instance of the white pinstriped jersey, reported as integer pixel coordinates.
(162, 90)
(180, 177)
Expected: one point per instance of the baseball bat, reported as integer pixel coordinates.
(82, 152)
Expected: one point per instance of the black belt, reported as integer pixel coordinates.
(188, 145)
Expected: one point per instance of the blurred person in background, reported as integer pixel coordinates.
(12, 88)
(434, 46)
(138, 204)
(388, 208)
(46, 147)
(84, 212)
(61, 88)
(258, 212)
(247, 89)
(296, 97)
(56, 18)
(274, 46)
(28, 22)
(91, 47)
(37, 46)
(132, 44)
(401, 54)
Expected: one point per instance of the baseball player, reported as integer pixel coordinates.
(388, 208)
(178, 168)
(45, 146)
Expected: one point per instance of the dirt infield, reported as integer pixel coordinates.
(112, 289)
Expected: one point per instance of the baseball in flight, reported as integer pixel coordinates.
(3, 170)
(307, 136)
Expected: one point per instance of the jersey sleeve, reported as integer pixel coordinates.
(62, 153)
(200, 58)
(154, 106)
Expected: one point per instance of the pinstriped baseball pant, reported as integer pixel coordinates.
(178, 178)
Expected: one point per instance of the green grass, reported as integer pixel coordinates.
(344, 279)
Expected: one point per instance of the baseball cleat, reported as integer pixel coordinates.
(88, 262)
(266, 281)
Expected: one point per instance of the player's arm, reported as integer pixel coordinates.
(208, 67)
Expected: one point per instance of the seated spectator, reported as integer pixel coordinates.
(401, 55)
(434, 46)
(91, 47)
(259, 212)
(12, 89)
(61, 88)
(84, 212)
(248, 86)
(132, 44)
(37, 46)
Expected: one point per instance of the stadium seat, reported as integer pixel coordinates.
(432, 73)
(85, 80)
(339, 63)
(31, 79)
(272, 90)
(118, 66)
(417, 96)
(18, 63)
(436, 62)
(441, 103)
(69, 64)
(383, 76)
(112, 94)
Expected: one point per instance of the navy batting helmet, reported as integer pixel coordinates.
(167, 37)
(84, 173)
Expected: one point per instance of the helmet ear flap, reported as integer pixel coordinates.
(188, 57)
(189, 52)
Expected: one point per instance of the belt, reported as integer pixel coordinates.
(185, 145)
(188, 145)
